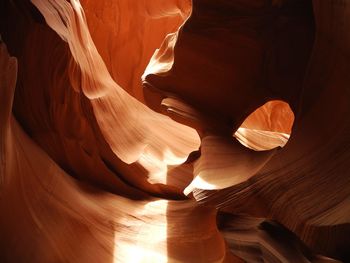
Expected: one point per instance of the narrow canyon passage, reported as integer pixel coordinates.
(174, 131)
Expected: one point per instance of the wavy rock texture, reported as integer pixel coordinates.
(152, 131)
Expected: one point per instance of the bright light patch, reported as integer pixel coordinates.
(145, 235)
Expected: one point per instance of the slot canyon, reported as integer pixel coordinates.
(174, 131)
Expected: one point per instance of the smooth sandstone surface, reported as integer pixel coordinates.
(174, 131)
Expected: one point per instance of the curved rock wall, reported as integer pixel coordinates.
(120, 138)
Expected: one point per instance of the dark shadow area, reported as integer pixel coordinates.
(253, 53)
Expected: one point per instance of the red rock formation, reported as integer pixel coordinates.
(89, 173)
